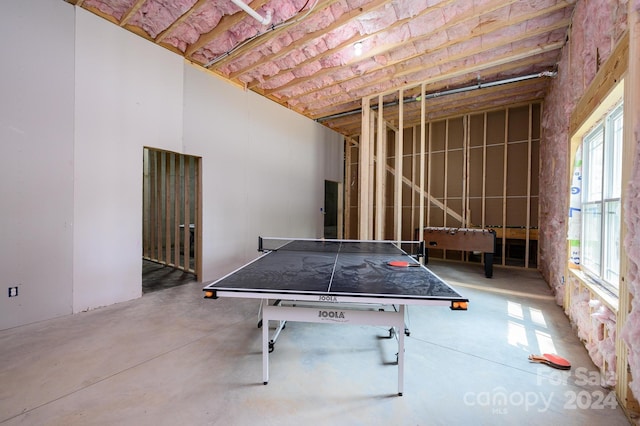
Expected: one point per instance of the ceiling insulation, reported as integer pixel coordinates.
(305, 59)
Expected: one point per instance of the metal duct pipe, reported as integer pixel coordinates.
(264, 21)
(490, 84)
(444, 93)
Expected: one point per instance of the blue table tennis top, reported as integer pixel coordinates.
(336, 268)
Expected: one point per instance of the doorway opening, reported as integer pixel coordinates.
(332, 210)
(171, 211)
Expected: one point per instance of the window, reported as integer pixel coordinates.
(601, 191)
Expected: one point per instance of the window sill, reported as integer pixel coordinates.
(610, 300)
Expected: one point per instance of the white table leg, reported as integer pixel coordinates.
(265, 344)
(400, 334)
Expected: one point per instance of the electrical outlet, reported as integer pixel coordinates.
(13, 291)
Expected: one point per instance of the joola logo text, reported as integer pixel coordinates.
(328, 299)
(334, 315)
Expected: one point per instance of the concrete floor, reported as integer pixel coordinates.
(156, 277)
(173, 358)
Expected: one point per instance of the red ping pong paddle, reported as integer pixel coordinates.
(551, 360)
(403, 264)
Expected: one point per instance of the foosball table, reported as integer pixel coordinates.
(463, 239)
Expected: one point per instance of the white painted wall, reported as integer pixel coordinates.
(128, 95)
(36, 163)
(74, 120)
(263, 167)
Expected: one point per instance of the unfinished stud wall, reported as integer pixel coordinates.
(597, 25)
(630, 332)
(481, 171)
(592, 63)
(171, 210)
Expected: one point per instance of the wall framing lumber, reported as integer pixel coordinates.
(399, 171)
(167, 208)
(631, 128)
(610, 72)
(347, 189)
(446, 172)
(484, 171)
(176, 202)
(465, 169)
(363, 172)
(423, 115)
(171, 210)
(528, 205)
(187, 218)
(198, 216)
(380, 171)
(505, 164)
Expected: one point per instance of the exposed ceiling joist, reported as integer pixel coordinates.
(305, 60)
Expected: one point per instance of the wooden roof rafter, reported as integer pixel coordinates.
(264, 38)
(131, 12)
(328, 71)
(449, 42)
(487, 29)
(442, 85)
(343, 20)
(226, 23)
(522, 53)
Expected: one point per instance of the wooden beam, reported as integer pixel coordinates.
(167, 208)
(157, 206)
(484, 171)
(446, 172)
(624, 373)
(250, 44)
(529, 161)
(198, 217)
(399, 172)
(176, 209)
(414, 145)
(380, 172)
(358, 37)
(396, 64)
(445, 83)
(425, 195)
(131, 12)
(348, 152)
(319, 33)
(225, 24)
(371, 171)
(505, 162)
(373, 86)
(466, 143)
(186, 208)
(461, 103)
(422, 148)
(160, 37)
(363, 175)
(608, 76)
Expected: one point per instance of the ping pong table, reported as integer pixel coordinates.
(338, 282)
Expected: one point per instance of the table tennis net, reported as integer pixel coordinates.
(339, 246)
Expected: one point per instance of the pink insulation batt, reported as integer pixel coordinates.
(199, 22)
(115, 8)
(156, 15)
(597, 26)
(631, 330)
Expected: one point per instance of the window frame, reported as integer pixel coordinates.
(602, 155)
